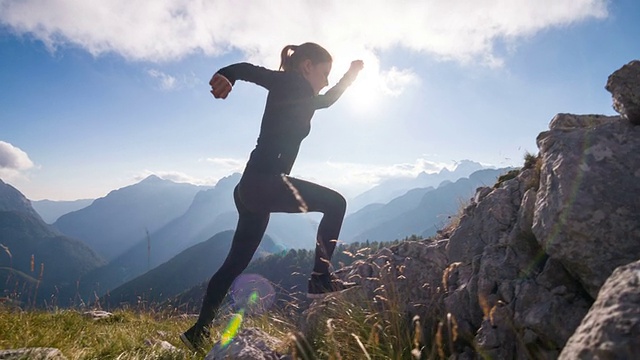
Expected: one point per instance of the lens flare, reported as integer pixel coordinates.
(251, 294)
(232, 329)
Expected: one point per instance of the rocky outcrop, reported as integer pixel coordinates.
(624, 85)
(611, 329)
(509, 298)
(587, 209)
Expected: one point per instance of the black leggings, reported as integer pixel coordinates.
(256, 196)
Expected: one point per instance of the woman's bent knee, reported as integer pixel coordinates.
(338, 204)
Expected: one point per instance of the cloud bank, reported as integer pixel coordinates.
(13, 160)
(465, 31)
(352, 179)
(140, 30)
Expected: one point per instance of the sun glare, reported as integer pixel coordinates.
(364, 94)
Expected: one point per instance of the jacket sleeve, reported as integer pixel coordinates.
(332, 95)
(251, 73)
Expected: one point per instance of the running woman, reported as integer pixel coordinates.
(265, 186)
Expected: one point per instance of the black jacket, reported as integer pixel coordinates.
(287, 114)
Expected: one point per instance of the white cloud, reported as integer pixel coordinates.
(227, 164)
(13, 161)
(394, 81)
(167, 82)
(354, 178)
(379, 173)
(463, 30)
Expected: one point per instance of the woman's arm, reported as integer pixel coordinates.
(223, 81)
(333, 94)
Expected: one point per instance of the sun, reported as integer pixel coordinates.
(364, 95)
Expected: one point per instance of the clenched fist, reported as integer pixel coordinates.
(220, 86)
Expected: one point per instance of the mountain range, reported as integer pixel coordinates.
(212, 211)
(419, 212)
(143, 229)
(111, 224)
(35, 258)
(393, 188)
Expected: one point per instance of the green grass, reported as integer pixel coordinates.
(345, 326)
(342, 328)
(123, 336)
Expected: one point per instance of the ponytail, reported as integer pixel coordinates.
(293, 55)
(286, 63)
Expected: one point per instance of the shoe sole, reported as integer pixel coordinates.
(188, 343)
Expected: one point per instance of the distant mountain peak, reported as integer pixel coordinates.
(230, 180)
(152, 178)
(468, 166)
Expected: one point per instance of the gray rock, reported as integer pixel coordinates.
(624, 85)
(98, 314)
(587, 208)
(482, 224)
(32, 354)
(611, 329)
(162, 345)
(571, 121)
(248, 344)
(496, 298)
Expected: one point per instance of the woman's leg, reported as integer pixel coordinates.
(275, 194)
(294, 195)
(249, 231)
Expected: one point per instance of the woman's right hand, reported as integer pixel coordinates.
(220, 86)
(356, 66)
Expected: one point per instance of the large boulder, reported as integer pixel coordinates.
(624, 85)
(509, 299)
(587, 208)
(611, 329)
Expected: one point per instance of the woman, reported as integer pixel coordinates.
(266, 186)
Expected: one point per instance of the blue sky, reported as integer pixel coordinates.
(98, 95)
